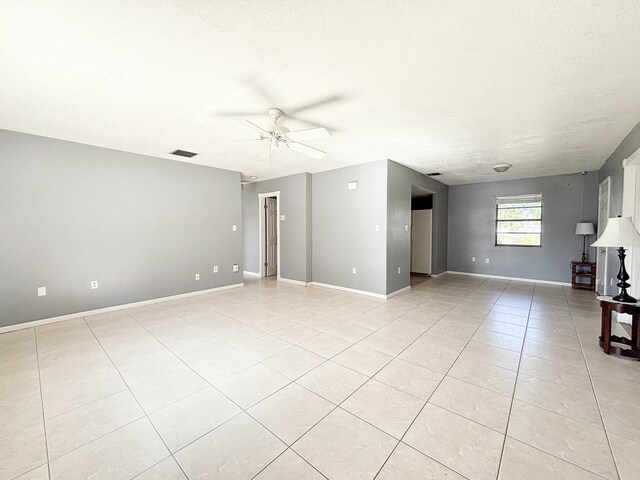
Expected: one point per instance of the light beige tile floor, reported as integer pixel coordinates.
(460, 378)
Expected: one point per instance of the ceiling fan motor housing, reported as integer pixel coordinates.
(274, 113)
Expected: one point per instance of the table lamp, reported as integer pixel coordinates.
(620, 233)
(585, 229)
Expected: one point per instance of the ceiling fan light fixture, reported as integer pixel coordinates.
(502, 167)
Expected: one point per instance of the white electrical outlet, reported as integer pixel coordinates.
(215, 269)
(473, 259)
(399, 270)
(406, 228)
(197, 276)
(235, 268)
(42, 291)
(353, 270)
(352, 185)
(486, 260)
(377, 228)
(235, 228)
(283, 217)
(94, 284)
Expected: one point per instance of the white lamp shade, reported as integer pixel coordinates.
(620, 232)
(585, 229)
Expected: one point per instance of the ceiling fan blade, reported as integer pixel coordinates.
(255, 127)
(262, 92)
(308, 122)
(306, 149)
(317, 103)
(239, 114)
(309, 134)
(238, 141)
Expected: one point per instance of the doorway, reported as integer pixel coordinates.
(602, 257)
(421, 231)
(631, 208)
(269, 215)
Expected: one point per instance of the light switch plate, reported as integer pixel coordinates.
(235, 267)
(215, 269)
(197, 276)
(354, 270)
(283, 217)
(235, 228)
(42, 291)
(94, 284)
(352, 185)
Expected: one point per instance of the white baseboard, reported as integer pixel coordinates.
(399, 291)
(294, 282)
(250, 274)
(350, 290)
(61, 318)
(515, 279)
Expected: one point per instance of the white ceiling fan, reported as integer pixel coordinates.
(280, 136)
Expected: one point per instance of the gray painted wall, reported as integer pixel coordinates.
(613, 168)
(295, 230)
(472, 227)
(399, 181)
(141, 226)
(344, 223)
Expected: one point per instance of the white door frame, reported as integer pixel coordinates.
(606, 250)
(631, 191)
(261, 197)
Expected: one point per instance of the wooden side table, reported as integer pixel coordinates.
(583, 275)
(609, 306)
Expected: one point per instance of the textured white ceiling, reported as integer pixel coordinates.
(454, 86)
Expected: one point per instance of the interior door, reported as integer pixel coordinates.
(421, 231)
(603, 216)
(635, 265)
(271, 234)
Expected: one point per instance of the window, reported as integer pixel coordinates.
(519, 221)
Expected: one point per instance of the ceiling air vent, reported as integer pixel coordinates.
(183, 153)
(433, 174)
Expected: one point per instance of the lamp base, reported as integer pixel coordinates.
(623, 276)
(624, 297)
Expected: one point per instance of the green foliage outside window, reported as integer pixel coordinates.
(519, 223)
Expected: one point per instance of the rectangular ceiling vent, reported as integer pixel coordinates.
(183, 153)
(434, 174)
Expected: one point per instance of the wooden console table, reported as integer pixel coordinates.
(608, 307)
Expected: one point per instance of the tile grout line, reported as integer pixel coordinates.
(542, 408)
(364, 383)
(336, 406)
(292, 381)
(242, 409)
(515, 386)
(128, 389)
(495, 303)
(604, 426)
(543, 451)
(146, 415)
(132, 394)
(44, 424)
(434, 390)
